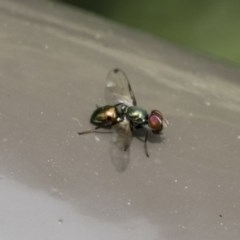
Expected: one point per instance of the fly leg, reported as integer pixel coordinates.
(145, 143)
(91, 130)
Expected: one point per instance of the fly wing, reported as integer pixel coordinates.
(118, 89)
(122, 136)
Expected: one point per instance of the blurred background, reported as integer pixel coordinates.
(210, 27)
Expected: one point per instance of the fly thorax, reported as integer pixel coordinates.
(137, 116)
(121, 109)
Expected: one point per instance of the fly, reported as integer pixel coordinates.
(123, 116)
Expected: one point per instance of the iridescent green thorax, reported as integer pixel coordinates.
(137, 116)
(121, 109)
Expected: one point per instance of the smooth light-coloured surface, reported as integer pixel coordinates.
(55, 184)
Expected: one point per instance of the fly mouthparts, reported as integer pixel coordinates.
(165, 123)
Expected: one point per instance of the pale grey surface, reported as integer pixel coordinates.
(55, 184)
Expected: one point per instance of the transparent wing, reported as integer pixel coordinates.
(118, 89)
(119, 152)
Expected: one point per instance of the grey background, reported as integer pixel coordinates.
(55, 184)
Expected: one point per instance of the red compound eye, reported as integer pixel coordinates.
(156, 121)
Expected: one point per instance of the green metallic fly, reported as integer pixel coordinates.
(123, 116)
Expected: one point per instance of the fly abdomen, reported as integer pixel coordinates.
(104, 117)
